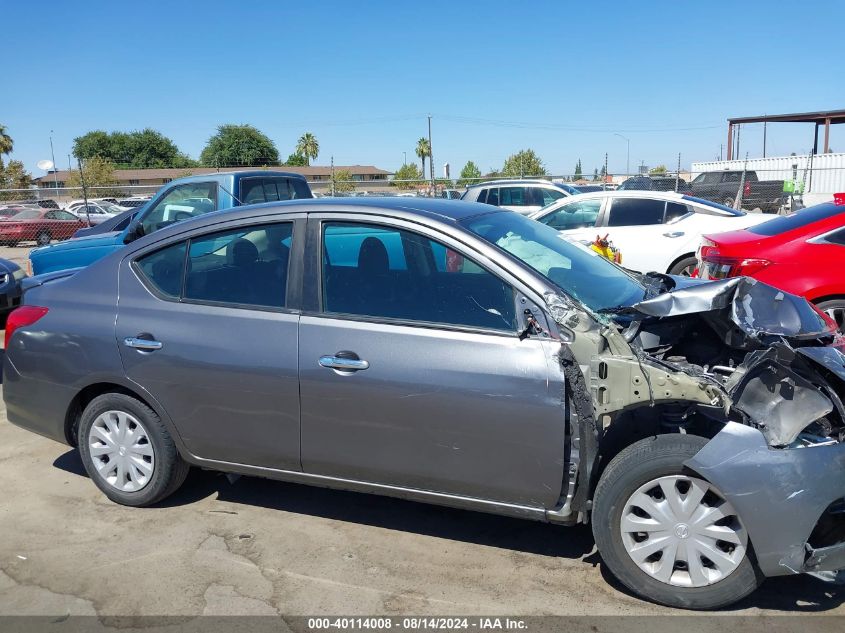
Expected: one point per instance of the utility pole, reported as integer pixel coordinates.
(764, 139)
(84, 189)
(604, 178)
(678, 173)
(627, 153)
(430, 156)
(332, 176)
(404, 159)
(55, 168)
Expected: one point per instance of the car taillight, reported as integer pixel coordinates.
(839, 198)
(21, 317)
(746, 190)
(715, 266)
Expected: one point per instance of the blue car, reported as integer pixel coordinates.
(178, 200)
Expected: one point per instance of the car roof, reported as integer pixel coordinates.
(516, 181)
(635, 193)
(223, 175)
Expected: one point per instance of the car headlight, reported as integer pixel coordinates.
(4, 277)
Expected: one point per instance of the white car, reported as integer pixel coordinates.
(97, 211)
(653, 230)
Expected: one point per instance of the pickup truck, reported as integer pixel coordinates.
(722, 186)
(178, 200)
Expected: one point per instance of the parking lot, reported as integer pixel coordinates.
(253, 546)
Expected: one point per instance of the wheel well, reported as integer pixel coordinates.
(84, 397)
(678, 260)
(818, 300)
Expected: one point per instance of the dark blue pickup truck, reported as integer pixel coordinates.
(177, 200)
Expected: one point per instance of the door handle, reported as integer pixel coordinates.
(343, 364)
(144, 344)
(673, 234)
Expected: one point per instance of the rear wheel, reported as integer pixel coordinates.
(128, 452)
(835, 309)
(729, 202)
(668, 535)
(685, 267)
(43, 238)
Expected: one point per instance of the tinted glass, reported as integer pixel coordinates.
(635, 212)
(513, 196)
(575, 215)
(542, 197)
(28, 214)
(385, 272)
(837, 237)
(797, 220)
(181, 203)
(164, 269)
(482, 196)
(245, 266)
(64, 215)
(255, 190)
(580, 272)
(675, 211)
(493, 196)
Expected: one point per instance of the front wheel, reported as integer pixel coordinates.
(668, 535)
(128, 452)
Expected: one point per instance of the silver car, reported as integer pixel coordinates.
(452, 353)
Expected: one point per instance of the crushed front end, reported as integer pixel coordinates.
(759, 371)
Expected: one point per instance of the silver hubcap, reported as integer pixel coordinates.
(121, 451)
(837, 313)
(681, 531)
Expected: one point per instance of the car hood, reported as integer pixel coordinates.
(86, 241)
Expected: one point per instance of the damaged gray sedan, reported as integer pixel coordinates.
(455, 354)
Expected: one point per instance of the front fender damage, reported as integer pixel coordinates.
(765, 372)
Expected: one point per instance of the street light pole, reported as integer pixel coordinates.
(430, 156)
(627, 153)
(55, 169)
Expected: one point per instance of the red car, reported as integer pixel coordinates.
(40, 225)
(802, 253)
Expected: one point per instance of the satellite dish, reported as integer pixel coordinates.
(46, 165)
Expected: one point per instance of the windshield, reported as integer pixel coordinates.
(577, 270)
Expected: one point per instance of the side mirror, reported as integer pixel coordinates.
(135, 231)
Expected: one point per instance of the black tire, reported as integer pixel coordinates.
(729, 202)
(836, 311)
(169, 469)
(686, 263)
(634, 467)
(43, 238)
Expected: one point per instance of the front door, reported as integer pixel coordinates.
(412, 373)
(204, 326)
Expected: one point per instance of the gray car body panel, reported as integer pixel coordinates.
(780, 494)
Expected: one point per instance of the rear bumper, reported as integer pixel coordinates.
(35, 405)
(780, 495)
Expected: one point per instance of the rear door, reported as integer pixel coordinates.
(412, 373)
(208, 326)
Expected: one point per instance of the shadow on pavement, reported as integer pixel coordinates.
(795, 594)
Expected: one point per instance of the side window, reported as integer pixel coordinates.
(164, 269)
(244, 266)
(513, 196)
(675, 211)
(255, 190)
(482, 196)
(576, 215)
(434, 284)
(247, 266)
(493, 196)
(65, 215)
(635, 212)
(542, 197)
(732, 176)
(180, 203)
(50, 215)
(836, 238)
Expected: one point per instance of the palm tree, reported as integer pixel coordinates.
(6, 143)
(308, 147)
(423, 150)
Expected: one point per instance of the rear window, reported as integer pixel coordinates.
(714, 205)
(797, 220)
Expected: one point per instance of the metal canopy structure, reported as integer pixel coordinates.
(824, 118)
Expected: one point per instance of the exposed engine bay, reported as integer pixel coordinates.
(759, 371)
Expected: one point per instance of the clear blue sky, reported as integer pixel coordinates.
(362, 76)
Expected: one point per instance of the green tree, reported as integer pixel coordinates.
(578, 173)
(308, 147)
(408, 176)
(658, 171)
(6, 144)
(342, 181)
(296, 160)
(141, 149)
(469, 174)
(14, 176)
(239, 145)
(522, 164)
(423, 151)
(96, 172)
